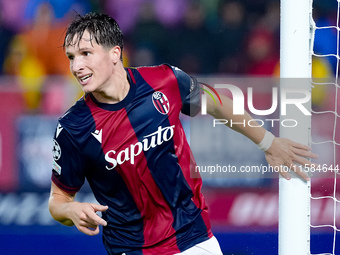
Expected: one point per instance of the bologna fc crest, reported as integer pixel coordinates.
(161, 102)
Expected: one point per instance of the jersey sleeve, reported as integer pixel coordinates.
(68, 171)
(190, 92)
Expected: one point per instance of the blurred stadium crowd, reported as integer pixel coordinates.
(224, 37)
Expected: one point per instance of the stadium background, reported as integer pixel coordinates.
(210, 39)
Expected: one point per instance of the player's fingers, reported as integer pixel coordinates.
(304, 150)
(93, 218)
(300, 172)
(87, 227)
(284, 173)
(305, 153)
(88, 224)
(99, 208)
(89, 231)
(300, 146)
(301, 160)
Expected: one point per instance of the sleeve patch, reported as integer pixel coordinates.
(56, 167)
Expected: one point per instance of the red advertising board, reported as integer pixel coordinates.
(11, 107)
(255, 209)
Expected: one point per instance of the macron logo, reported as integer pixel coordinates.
(98, 135)
(59, 129)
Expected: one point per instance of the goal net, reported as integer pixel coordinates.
(309, 211)
(325, 213)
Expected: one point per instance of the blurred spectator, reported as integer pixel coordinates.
(192, 47)
(202, 36)
(255, 10)
(60, 8)
(37, 52)
(12, 13)
(45, 39)
(262, 59)
(6, 36)
(29, 70)
(321, 73)
(271, 19)
(230, 37)
(148, 37)
(170, 13)
(211, 7)
(42, 40)
(325, 41)
(125, 12)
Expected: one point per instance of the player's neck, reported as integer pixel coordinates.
(117, 89)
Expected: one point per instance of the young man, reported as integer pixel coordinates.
(125, 137)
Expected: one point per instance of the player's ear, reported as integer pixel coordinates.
(115, 53)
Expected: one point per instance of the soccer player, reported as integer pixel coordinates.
(125, 137)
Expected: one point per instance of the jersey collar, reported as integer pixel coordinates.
(122, 104)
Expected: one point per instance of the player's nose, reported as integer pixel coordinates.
(77, 65)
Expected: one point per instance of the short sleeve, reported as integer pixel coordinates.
(68, 170)
(190, 92)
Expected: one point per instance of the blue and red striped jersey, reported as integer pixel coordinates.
(137, 161)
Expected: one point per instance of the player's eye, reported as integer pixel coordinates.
(86, 53)
(70, 57)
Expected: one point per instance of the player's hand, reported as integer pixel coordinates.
(85, 218)
(284, 152)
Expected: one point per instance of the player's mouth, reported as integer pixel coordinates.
(85, 79)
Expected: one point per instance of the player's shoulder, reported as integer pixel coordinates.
(76, 116)
(162, 68)
(159, 72)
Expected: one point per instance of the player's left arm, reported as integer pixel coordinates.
(67, 211)
(282, 151)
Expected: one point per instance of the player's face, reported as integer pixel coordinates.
(91, 64)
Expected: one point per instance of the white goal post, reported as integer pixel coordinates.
(295, 70)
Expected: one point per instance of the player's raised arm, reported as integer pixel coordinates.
(279, 151)
(64, 209)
